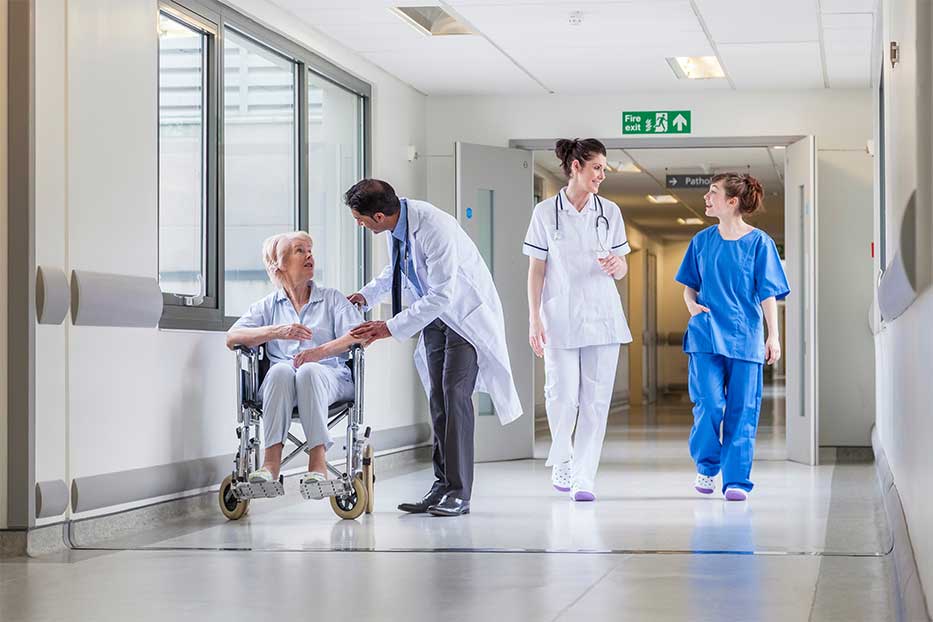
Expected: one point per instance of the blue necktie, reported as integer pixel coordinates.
(396, 276)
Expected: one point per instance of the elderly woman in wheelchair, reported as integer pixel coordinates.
(305, 329)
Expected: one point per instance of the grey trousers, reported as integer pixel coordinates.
(452, 367)
(313, 388)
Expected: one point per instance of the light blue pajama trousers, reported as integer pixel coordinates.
(313, 388)
(725, 392)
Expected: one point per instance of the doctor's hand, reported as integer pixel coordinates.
(368, 332)
(357, 299)
(311, 355)
(772, 350)
(696, 308)
(613, 265)
(536, 336)
(291, 332)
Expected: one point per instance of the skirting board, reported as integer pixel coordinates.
(90, 531)
(113, 489)
(908, 592)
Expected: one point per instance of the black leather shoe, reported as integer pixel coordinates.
(433, 497)
(450, 506)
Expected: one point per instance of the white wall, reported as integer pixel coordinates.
(840, 120)
(112, 399)
(905, 346)
(846, 372)
(3, 259)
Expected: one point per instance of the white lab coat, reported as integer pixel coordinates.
(459, 290)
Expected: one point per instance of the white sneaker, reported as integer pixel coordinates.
(704, 484)
(260, 476)
(562, 476)
(315, 485)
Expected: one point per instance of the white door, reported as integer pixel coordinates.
(495, 198)
(801, 261)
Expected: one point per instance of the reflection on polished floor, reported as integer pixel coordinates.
(811, 543)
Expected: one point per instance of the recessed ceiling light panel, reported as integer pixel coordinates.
(662, 198)
(696, 67)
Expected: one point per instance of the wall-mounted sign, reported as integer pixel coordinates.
(656, 122)
(700, 182)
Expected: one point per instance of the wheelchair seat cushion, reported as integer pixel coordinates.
(335, 408)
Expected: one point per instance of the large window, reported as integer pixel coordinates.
(260, 163)
(183, 159)
(257, 136)
(335, 160)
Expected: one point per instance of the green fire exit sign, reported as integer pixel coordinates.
(656, 122)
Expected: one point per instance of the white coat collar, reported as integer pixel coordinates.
(568, 205)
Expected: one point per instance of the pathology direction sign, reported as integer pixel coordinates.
(656, 122)
(699, 182)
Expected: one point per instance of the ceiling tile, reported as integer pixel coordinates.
(760, 21)
(774, 65)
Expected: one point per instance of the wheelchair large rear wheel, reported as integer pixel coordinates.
(232, 507)
(351, 506)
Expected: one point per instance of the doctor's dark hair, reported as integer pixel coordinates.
(580, 150)
(371, 196)
(745, 187)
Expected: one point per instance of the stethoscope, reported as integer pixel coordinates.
(559, 207)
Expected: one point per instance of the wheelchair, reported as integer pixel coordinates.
(351, 493)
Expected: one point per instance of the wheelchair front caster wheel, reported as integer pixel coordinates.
(351, 506)
(232, 507)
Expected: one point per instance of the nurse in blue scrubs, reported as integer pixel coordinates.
(732, 277)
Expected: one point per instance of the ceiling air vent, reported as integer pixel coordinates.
(431, 20)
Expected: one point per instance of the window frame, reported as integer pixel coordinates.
(210, 315)
(174, 307)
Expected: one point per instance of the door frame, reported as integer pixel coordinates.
(700, 142)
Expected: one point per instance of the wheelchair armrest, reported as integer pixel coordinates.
(246, 350)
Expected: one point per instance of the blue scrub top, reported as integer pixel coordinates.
(731, 277)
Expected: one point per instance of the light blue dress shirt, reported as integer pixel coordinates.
(328, 314)
(400, 233)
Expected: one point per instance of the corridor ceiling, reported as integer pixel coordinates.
(532, 47)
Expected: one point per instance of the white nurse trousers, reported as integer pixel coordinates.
(578, 390)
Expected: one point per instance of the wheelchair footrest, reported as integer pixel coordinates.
(260, 490)
(320, 490)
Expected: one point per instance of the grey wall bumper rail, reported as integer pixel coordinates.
(99, 299)
(51, 498)
(112, 489)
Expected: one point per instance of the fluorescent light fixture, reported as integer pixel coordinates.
(696, 67)
(779, 147)
(623, 167)
(432, 21)
(662, 198)
(690, 221)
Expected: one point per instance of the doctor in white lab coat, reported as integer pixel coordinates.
(576, 246)
(436, 267)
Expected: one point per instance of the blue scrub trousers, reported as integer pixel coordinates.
(724, 392)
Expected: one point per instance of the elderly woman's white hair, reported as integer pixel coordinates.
(274, 250)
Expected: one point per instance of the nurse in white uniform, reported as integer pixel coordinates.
(576, 246)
